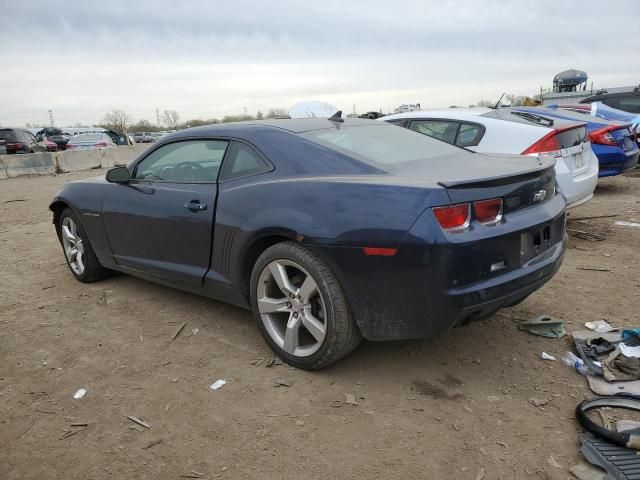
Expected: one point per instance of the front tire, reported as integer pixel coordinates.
(300, 307)
(81, 258)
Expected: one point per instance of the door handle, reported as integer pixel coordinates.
(195, 206)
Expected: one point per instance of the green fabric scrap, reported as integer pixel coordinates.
(544, 326)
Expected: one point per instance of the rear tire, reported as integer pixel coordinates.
(300, 307)
(79, 254)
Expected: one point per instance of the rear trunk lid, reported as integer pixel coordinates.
(521, 181)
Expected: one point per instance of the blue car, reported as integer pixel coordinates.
(329, 230)
(613, 142)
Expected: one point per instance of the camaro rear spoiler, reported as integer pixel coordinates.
(546, 163)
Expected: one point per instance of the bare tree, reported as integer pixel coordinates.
(118, 121)
(171, 118)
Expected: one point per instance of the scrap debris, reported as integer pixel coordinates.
(217, 384)
(594, 269)
(600, 326)
(152, 444)
(350, 399)
(139, 421)
(178, 331)
(545, 326)
(590, 236)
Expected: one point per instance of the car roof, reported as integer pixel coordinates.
(470, 111)
(293, 125)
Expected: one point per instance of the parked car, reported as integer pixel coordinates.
(54, 135)
(118, 138)
(626, 101)
(489, 130)
(143, 137)
(19, 140)
(600, 110)
(327, 230)
(613, 142)
(88, 141)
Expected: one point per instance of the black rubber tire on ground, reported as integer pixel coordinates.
(342, 335)
(93, 271)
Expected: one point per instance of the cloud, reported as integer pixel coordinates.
(213, 58)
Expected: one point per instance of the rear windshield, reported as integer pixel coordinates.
(7, 134)
(90, 137)
(381, 144)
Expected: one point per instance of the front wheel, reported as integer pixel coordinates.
(78, 252)
(300, 308)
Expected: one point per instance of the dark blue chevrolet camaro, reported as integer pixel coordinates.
(329, 231)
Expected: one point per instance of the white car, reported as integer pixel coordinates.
(487, 130)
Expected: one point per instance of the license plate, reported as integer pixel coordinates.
(535, 242)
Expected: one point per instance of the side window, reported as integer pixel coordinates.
(397, 121)
(469, 135)
(440, 129)
(188, 161)
(243, 161)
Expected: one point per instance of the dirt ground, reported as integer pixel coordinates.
(449, 409)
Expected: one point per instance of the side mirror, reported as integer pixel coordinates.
(118, 175)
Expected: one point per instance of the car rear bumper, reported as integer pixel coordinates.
(577, 189)
(485, 298)
(613, 161)
(430, 287)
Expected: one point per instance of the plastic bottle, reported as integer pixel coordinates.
(576, 362)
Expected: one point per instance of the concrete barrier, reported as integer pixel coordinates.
(67, 161)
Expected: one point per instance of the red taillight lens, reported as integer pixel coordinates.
(101, 144)
(488, 210)
(14, 145)
(69, 147)
(379, 252)
(548, 143)
(453, 216)
(603, 136)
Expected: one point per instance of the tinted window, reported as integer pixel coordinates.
(7, 134)
(440, 129)
(469, 135)
(397, 121)
(381, 144)
(243, 161)
(628, 104)
(184, 162)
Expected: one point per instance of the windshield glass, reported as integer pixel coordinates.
(90, 137)
(382, 144)
(7, 135)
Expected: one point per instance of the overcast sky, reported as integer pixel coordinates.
(210, 58)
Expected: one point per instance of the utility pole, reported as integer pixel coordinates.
(354, 108)
(157, 116)
(51, 117)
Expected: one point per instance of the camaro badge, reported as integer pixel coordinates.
(539, 196)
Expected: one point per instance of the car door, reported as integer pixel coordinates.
(35, 145)
(161, 221)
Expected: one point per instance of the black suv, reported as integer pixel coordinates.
(18, 140)
(627, 101)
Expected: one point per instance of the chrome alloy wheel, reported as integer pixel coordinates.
(73, 246)
(292, 308)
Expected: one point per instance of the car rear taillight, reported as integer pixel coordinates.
(14, 145)
(488, 210)
(453, 217)
(69, 147)
(603, 136)
(548, 143)
(101, 144)
(379, 252)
